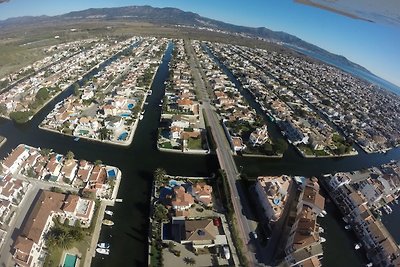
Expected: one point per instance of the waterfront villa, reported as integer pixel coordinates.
(272, 193)
(197, 233)
(28, 247)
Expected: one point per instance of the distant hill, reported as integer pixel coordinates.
(174, 16)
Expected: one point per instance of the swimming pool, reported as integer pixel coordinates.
(70, 260)
(124, 115)
(122, 136)
(111, 173)
(130, 106)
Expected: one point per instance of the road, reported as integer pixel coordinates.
(225, 157)
(16, 222)
(34, 186)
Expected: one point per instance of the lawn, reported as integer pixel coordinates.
(194, 143)
(53, 258)
(155, 259)
(166, 145)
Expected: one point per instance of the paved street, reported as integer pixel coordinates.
(225, 157)
(16, 222)
(21, 212)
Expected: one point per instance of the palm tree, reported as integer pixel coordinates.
(76, 234)
(65, 240)
(104, 133)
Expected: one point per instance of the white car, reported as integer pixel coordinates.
(227, 254)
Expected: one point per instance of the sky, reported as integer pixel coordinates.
(372, 45)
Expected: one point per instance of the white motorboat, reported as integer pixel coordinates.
(103, 245)
(369, 264)
(357, 246)
(104, 251)
(347, 227)
(321, 239)
(140, 117)
(109, 212)
(108, 222)
(321, 230)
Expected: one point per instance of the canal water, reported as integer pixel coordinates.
(128, 237)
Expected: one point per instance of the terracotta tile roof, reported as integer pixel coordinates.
(70, 203)
(45, 205)
(198, 230)
(181, 198)
(12, 157)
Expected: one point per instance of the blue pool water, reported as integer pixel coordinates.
(70, 260)
(122, 136)
(130, 106)
(125, 115)
(111, 173)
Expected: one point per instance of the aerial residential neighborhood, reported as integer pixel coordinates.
(162, 136)
(182, 122)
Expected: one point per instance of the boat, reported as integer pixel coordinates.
(321, 215)
(357, 246)
(160, 105)
(369, 264)
(324, 212)
(104, 251)
(108, 222)
(118, 200)
(77, 138)
(146, 103)
(321, 239)
(109, 212)
(347, 227)
(387, 209)
(103, 245)
(149, 93)
(345, 220)
(140, 117)
(321, 230)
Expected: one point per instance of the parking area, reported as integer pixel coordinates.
(203, 257)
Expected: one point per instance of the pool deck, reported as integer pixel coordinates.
(72, 251)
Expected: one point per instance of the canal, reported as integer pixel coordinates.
(128, 237)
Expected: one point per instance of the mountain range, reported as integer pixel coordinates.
(174, 16)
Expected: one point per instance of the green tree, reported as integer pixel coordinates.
(160, 213)
(159, 174)
(42, 95)
(45, 151)
(280, 146)
(20, 116)
(70, 155)
(75, 88)
(3, 109)
(56, 189)
(76, 233)
(98, 162)
(104, 133)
